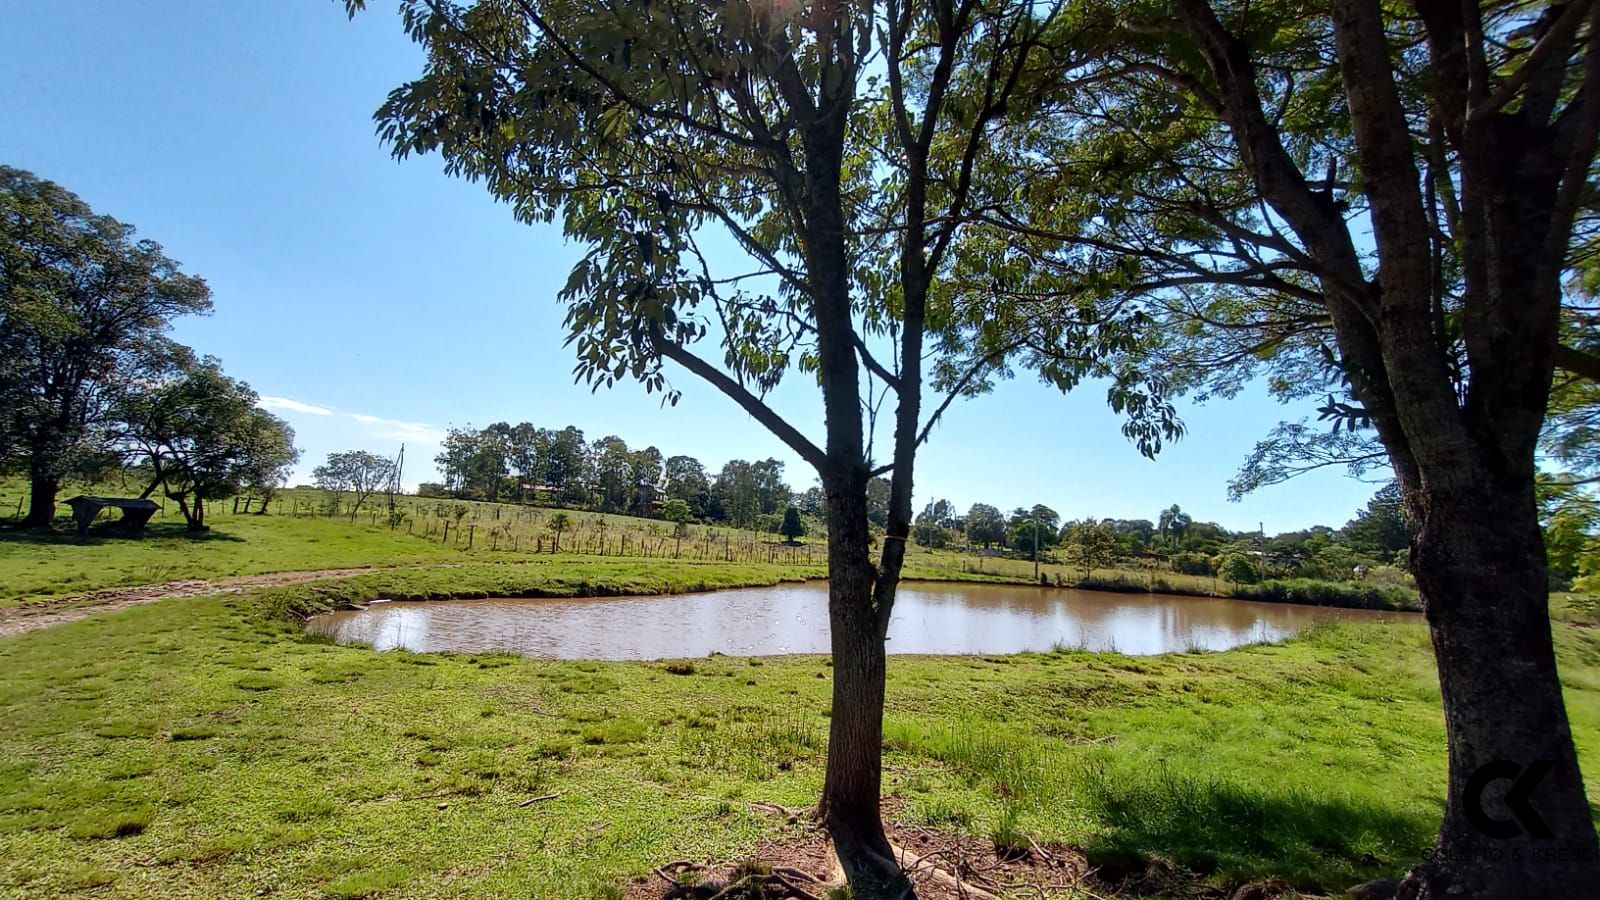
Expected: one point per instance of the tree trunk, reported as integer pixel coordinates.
(42, 490)
(193, 517)
(1480, 564)
(849, 806)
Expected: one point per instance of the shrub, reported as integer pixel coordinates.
(1192, 564)
(1346, 594)
(1239, 569)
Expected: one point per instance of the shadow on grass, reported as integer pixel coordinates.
(1244, 831)
(65, 535)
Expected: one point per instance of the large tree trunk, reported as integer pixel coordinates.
(850, 789)
(42, 490)
(1517, 822)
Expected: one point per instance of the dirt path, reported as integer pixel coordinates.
(30, 615)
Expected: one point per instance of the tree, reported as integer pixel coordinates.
(811, 502)
(737, 493)
(932, 526)
(1021, 535)
(1380, 530)
(1377, 204)
(357, 471)
(1090, 543)
(837, 146)
(267, 469)
(686, 480)
(613, 473)
(203, 437)
(473, 461)
(985, 525)
(1135, 534)
(1173, 523)
(793, 529)
(1240, 569)
(675, 510)
(83, 306)
(559, 522)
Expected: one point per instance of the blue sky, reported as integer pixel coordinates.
(376, 302)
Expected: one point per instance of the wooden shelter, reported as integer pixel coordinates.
(136, 513)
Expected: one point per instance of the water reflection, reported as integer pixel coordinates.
(928, 618)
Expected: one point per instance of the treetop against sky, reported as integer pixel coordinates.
(324, 258)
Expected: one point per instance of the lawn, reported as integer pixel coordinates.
(204, 747)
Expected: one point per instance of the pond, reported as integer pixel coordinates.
(793, 618)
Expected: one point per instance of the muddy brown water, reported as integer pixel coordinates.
(793, 618)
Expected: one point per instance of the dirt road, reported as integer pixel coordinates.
(30, 615)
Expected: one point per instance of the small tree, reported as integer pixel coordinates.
(355, 471)
(1091, 544)
(677, 511)
(1239, 569)
(558, 523)
(203, 437)
(267, 473)
(793, 528)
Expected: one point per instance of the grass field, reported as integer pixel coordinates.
(206, 747)
(203, 747)
(47, 565)
(36, 564)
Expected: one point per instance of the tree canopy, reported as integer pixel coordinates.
(84, 305)
(203, 438)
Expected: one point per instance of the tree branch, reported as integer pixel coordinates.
(749, 402)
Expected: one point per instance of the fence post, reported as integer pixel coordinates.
(471, 530)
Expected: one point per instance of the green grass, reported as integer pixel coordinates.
(40, 564)
(297, 537)
(204, 747)
(34, 564)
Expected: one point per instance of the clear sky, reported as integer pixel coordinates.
(372, 302)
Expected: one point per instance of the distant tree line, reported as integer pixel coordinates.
(89, 381)
(1377, 536)
(524, 463)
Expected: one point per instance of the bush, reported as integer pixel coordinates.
(1346, 594)
(1239, 569)
(1192, 564)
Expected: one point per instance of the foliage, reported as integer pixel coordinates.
(1090, 543)
(985, 525)
(1380, 530)
(1190, 563)
(1239, 569)
(84, 305)
(526, 464)
(1351, 594)
(792, 529)
(359, 472)
(203, 437)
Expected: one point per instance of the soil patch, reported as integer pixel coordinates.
(944, 865)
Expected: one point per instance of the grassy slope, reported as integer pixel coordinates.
(231, 755)
(51, 564)
(45, 565)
